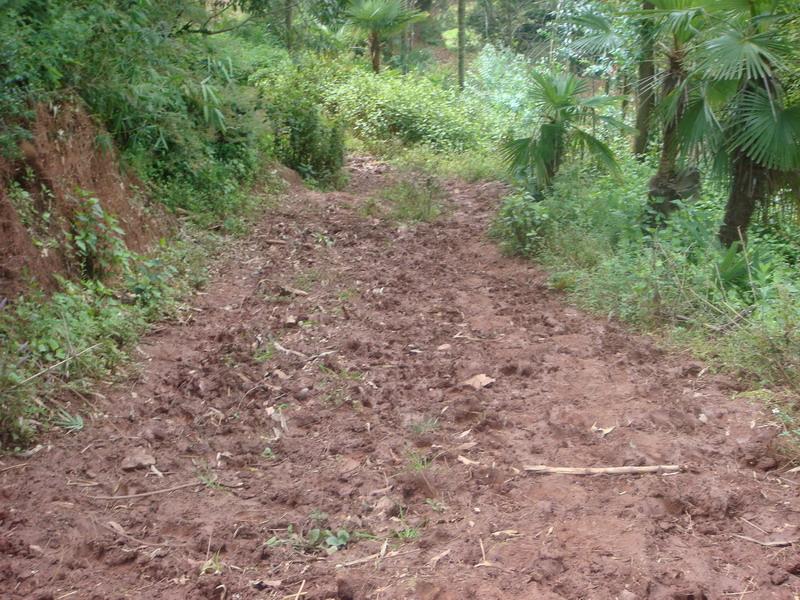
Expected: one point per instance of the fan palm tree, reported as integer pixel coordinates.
(563, 107)
(670, 27)
(378, 19)
(737, 110)
(677, 25)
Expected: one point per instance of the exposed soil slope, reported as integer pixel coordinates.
(63, 157)
(377, 327)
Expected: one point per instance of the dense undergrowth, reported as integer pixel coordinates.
(738, 309)
(190, 123)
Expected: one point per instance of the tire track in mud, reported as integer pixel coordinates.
(318, 384)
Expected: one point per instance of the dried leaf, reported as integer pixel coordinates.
(479, 381)
(603, 431)
(435, 560)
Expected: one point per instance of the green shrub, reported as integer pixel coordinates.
(409, 107)
(410, 201)
(738, 308)
(305, 137)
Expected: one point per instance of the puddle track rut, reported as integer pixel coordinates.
(376, 328)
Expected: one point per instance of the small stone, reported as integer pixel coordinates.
(386, 507)
(702, 418)
(627, 595)
(302, 394)
(766, 463)
(444, 347)
(138, 459)
(778, 577)
(280, 374)
(36, 550)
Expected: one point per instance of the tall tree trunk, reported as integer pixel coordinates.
(462, 41)
(645, 97)
(404, 52)
(625, 92)
(750, 185)
(288, 22)
(375, 51)
(669, 183)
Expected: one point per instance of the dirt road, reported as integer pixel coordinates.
(345, 383)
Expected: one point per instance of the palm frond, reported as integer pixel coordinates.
(766, 131)
(734, 54)
(599, 150)
(618, 124)
(384, 16)
(600, 36)
(524, 156)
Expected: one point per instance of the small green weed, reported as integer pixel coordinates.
(413, 202)
(315, 540)
(406, 534)
(435, 505)
(67, 422)
(306, 280)
(265, 353)
(418, 462)
(425, 426)
(97, 237)
(212, 566)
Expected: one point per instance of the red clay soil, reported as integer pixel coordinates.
(342, 343)
(63, 156)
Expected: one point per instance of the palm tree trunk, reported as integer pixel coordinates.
(375, 51)
(645, 97)
(462, 42)
(288, 18)
(750, 184)
(668, 185)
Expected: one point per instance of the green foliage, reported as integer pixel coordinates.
(315, 540)
(382, 16)
(305, 137)
(409, 108)
(738, 308)
(412, 201)
(562, 105)
(84, 332)
(97, 238)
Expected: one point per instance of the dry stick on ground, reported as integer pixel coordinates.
(296, 596)
(19, 466)
(378, 555)
(288, 351)
(144, 494)
(775, 544)
(602, 470)
(55, 366)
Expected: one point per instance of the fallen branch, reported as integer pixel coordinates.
(775, 544)
(144, 494)
(55, 366)
(17, 466)
(117, 528)
(371, 557)
(289, 351)
(603, 470)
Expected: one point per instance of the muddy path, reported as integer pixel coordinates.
(322, 393)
